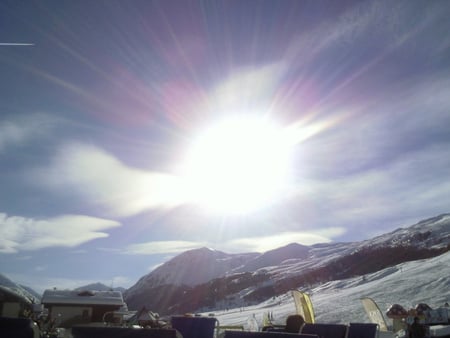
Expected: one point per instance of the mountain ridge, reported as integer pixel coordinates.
(99, 287)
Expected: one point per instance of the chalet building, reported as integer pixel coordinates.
(68, 307)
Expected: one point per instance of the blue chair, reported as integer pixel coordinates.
(362, 330)
(194, 327)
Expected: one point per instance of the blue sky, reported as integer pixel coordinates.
(341, 108)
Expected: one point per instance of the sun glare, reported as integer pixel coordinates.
(237, 166)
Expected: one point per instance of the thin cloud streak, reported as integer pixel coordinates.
(270, 242)
(162, 247)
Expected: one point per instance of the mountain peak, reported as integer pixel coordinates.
(209, 264)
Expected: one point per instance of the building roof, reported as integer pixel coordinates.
(87, 297)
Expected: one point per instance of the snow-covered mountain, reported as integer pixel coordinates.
(403, 244)
(210, 264)
(206, 278)
(193, 267)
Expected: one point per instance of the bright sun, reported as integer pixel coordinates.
(237, 166)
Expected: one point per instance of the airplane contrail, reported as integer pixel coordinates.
(16, 44)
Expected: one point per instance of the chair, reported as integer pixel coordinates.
(120, 332)
(362, 330)
(194, 327)
(326, 330)
(16, 327)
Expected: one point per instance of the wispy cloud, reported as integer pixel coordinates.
(11, 133)
(101, 179)
(40, 268)
(409, 186)
(367, 23)
(19, 130)
(19, 233)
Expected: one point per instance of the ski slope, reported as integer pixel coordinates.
(423, 281)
